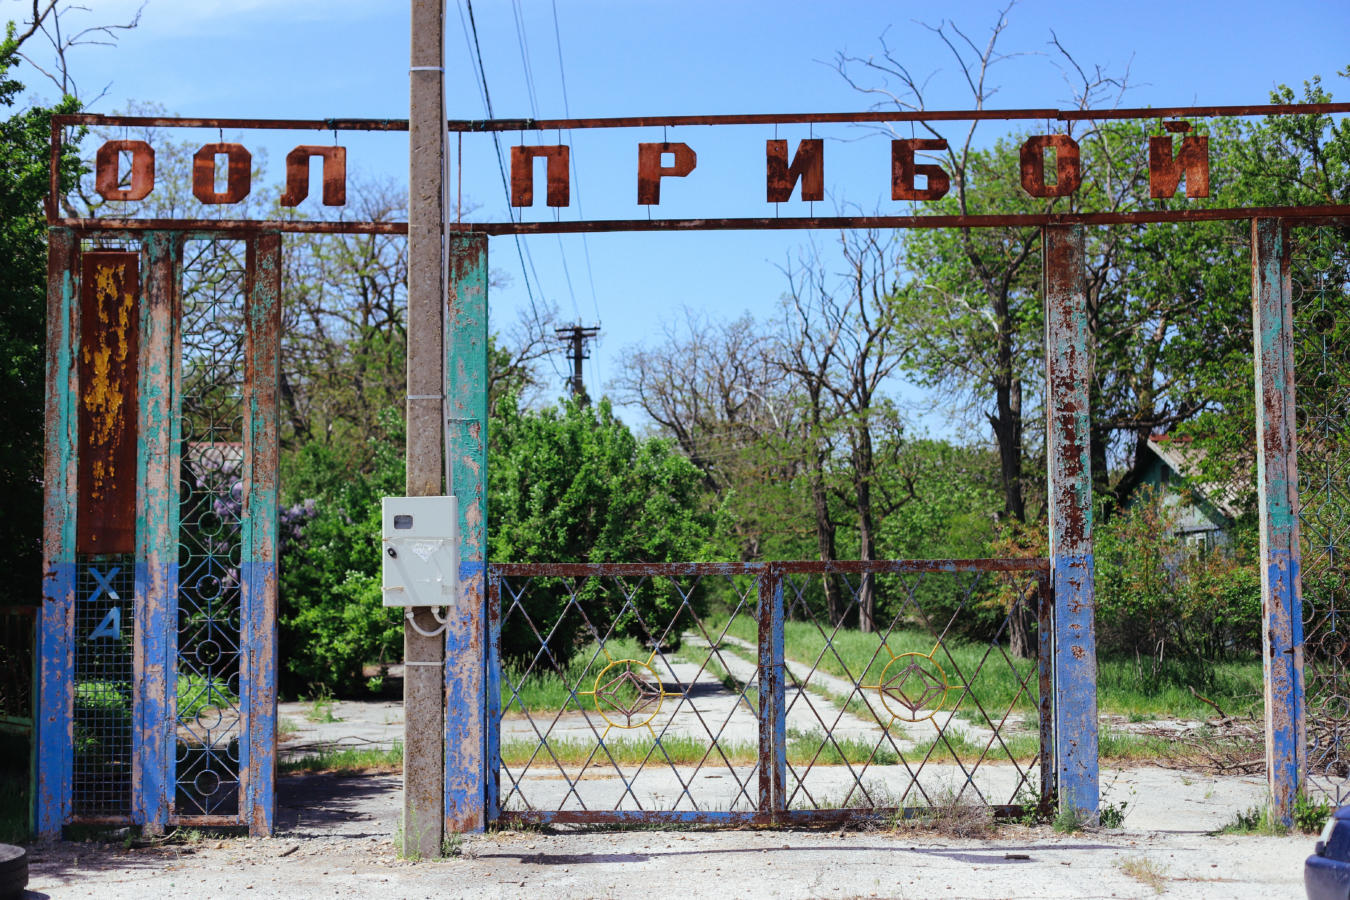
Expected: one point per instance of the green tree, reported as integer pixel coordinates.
(24, 151)
(572, 483)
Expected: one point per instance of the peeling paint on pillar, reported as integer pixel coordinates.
(157, 485)
(55, 701)
(1277, 486)
(258, 569)
(467, 747)
(1068, 373)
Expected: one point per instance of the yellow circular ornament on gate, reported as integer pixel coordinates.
(913, 687)
(624, 694)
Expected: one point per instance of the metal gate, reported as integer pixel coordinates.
(157, 649)
(729, 692)
(1321, 336)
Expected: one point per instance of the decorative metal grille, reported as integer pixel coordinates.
(1321, 295)
(104, 634)
(913, 713)
(740, 692)
(208, 720)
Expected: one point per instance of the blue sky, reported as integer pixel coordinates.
(318, 58)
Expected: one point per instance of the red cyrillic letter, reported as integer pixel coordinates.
(1164, 172)
(1068, 174)
(650, 170)
(334, 175)
(808, 165)
(903, 171)
(522, 174)
(238, 177)
(107, 174)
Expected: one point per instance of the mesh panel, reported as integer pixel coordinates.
(631, 690)
(1322, 366)
(935, 703)
(208, 662)
(103, 638)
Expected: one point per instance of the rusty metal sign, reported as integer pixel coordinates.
(109, 346)
(1051, 165)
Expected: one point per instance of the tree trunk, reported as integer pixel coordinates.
(834, 604)
(1007, 418)
(862, 485)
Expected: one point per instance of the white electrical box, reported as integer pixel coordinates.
(420, 549)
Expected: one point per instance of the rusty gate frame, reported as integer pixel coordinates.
(1068, 361)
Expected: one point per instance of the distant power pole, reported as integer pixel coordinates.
(576, 336)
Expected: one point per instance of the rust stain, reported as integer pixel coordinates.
(1078, 653)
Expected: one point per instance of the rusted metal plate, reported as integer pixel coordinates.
(904, 170)
(334, 174)
(557, 172)
(1166, 171)
(108, 365)
(108, 176)
(238, 173)
(1068, 170)
(651, 169)
(808, 166)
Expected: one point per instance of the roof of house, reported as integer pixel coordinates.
(1185, 458)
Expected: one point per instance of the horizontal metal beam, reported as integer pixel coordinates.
(725, 817)
(1292, 215)
(792, 567)
(921, 115)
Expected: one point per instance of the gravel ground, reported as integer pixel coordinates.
(336, 839)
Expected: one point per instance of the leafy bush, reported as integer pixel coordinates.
(1158, 596)
(573, 484)
(331, 618)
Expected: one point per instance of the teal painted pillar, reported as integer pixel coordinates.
(54, 706)
(156, 527)
(1277, 487)
(468, 746)
(1068, 368)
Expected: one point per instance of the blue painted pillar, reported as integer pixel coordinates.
(1277, 486)
(54, 708)
(466, 633)
(1068, 366)
(156, 528)
(258, 568)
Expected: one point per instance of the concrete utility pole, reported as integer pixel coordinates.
(576, 336)
(423, 645)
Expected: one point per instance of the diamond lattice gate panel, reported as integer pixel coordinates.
(769, 692)
(1321, 296)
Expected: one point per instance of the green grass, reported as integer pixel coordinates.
(546, 689)
(1137, 689)
(347, 759)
